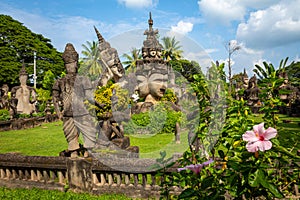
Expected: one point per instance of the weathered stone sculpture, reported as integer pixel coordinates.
(245, 80)
(24, 95)
(252, 92)
(4, 101)
(288, 91)
(113, 70)
(152, 73)
(69, 94)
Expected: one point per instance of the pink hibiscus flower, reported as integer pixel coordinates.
(258, 139)
(196, 168)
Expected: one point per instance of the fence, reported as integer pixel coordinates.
(59, 173)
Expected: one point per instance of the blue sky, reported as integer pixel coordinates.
(266, 30)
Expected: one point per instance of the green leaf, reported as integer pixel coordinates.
(207, 182)
(253, 179)
(272, 188)
(221, 154)
(187, 193)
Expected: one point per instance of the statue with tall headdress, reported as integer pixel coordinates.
(69, 94)
(24, 96)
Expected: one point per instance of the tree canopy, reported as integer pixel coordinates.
(18, 43)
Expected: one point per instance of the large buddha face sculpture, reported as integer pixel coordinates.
(157, 84)
(152, 82)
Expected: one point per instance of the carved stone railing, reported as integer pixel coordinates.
(130, 177)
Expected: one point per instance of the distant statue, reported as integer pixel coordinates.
(287, 92)
(25, 95)
(245, 80)
(252, 92)
(69, 94)
(4, 101)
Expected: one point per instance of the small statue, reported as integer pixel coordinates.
(245, 80)
(252, 92)
(289, 92)
(4, 101)
(69, 94)
(25, 95)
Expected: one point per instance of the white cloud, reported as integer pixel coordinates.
(182, 27)
(138, 3)
(222, 11)
(271, 27)
(68, 29)
(209, 51)
(258, 4)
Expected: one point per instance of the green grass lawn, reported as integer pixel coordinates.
(45, 140)
(38, 194)
(49, 140)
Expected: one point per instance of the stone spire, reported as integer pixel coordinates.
(99, 36)
(151, 46)
(245, 74)
(23, 70)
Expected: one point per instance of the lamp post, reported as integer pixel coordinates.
(34, 69)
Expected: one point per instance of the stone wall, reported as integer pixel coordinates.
(23, 123)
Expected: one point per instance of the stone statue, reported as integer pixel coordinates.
(113, 68)
(252, 92)
(245, 80)
(289, 92)
(25, 95)
(4, 101)
(111, 125)
(152, 73)
(69, 94)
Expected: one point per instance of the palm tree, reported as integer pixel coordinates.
(130, 62)
(269, 71)
(171, 49)
(90, 63)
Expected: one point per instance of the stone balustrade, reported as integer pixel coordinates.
(82, 175)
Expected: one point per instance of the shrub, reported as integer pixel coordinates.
(4, 115)
(159, 120)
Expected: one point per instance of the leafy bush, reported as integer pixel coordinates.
(4, 115)
(42, 97)
(159, 120)
(249, 163)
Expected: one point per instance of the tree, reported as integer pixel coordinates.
(268, 71)
(293, 71)
(18, 43)
(130, 62)
(90, 64)
(231, 47)
(171, 49)
(48, 80)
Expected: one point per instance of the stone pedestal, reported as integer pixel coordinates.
(80, 175)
